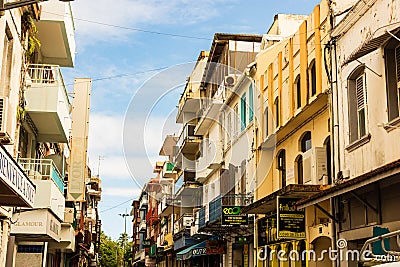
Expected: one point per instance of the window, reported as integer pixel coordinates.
(299, 169)
(229, 128)
(357, 105)
(282, 167)
(305, 142)
(392, 62)
(251, 103)
(313, 79)
(297, 86)
(266, 121)
(276, 112)
(7, 62)
(243, 112)
(236, 121)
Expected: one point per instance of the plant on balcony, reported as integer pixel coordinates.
(29, 29)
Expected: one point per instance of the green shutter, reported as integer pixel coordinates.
(243, 112)
(251, 103)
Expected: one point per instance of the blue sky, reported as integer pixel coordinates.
(105, 51)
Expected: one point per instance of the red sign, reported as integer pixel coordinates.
(216, 247)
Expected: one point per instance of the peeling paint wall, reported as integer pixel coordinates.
(382, 147)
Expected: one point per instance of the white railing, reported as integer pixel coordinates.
(42, 169)
(49, 75)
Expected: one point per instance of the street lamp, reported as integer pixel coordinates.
(21, 3)
(124, 215)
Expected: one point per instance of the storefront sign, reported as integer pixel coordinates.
(16, 179)
(246, 255)
(243, 239)
(199, 251)
(291, 222)
(232, 217)
(79, 137)
(39, 223)
(216, 247)
(146, 243)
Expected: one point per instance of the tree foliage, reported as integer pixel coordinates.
(112, 251)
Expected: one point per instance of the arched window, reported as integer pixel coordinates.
(305, 142)
(313, 78)
(299, 169)
(276, 103)
(281, 166)
(297, 87)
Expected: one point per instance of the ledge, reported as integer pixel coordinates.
(392, 125)
(358, 143)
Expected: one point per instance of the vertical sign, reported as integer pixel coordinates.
(290, 221)
(79, 139)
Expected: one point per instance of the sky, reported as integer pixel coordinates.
(138, 53)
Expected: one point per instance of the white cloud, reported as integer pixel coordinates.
(129, 13)
(121, 191)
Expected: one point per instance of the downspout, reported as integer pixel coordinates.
(335, 160)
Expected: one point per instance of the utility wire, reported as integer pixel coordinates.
(131, 28)
(116, 206)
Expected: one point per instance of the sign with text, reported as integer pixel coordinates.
(232, 217)
(41, 223)
(215, 247)
(14, 178)
(79, 140)
(290, 221)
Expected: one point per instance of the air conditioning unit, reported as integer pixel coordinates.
(69, 215)
(4, 135)
(230, 80)
(315, 170)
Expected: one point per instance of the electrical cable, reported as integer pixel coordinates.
(131, 28)
(116, 206)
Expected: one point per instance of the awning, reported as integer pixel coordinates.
(15, 187)
(268, 203)
(376, 40)
(352, 184)
(195, 250)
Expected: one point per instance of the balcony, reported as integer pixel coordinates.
(184, 223)
(214, 213)
(47, 103)
(94, 188)
(142, 226)
(208, 114)
(188, 142)
(56, 34)
(152, 216)
(189, 102)
(168, 170)
(42, 169)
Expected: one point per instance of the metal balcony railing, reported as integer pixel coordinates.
(49, 75)
(215, 206)
(187, 134)
(184, 223)
(42, 169)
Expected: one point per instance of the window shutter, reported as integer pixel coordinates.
(398, 66)
(360, 92)
(243, 112)
(251, 103)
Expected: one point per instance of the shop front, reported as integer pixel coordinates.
(33, 232)
(282, 228)
(205, 253)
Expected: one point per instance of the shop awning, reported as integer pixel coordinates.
(351, 184)
(268, 203)
(195, 250)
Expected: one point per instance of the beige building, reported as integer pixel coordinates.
(365, 52)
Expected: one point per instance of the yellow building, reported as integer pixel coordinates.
(292, 141)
